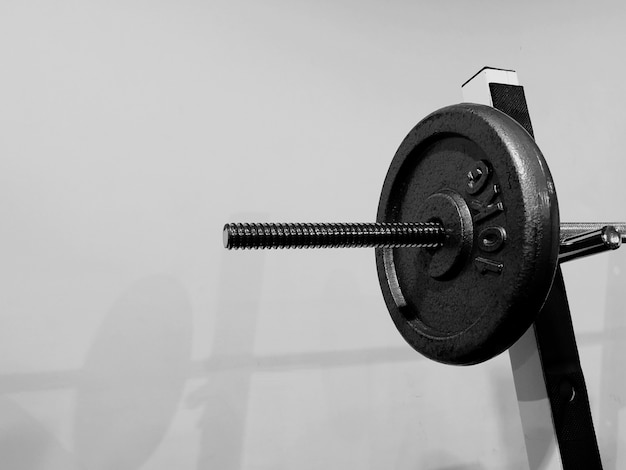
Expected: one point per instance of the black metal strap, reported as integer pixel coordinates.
(563, 375)
(565, 382)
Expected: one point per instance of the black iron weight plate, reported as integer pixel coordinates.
(486, 301)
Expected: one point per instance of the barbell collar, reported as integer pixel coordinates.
(589, 243)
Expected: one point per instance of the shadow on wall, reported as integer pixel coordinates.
(230, 368)
(432, 462)
(511, 435)
(225, 395)
(26, 445)
(613, 381)
(232, 365)
(126, 393)
(131, 383)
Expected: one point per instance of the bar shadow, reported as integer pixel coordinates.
(232, 364)
(25, 444)
(129, 389)
(431, 462)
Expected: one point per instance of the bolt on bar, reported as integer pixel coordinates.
(336, 235)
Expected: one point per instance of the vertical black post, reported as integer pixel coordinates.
(563, 375)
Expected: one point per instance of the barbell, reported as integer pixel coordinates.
(467, 234)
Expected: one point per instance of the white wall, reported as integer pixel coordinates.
(130, 132)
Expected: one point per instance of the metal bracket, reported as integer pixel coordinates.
(549, 381)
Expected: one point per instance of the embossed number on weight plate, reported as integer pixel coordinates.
(486, 205)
